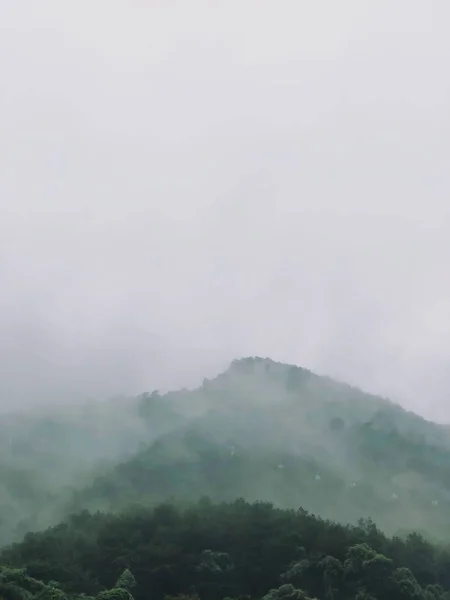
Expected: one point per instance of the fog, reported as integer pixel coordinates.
(183, 183)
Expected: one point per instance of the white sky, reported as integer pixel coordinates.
(183, 183)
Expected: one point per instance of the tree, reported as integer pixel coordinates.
(406, 585)
(126, 581)
(286, 592)
(115, 594)
(333, 572)
(367, 570)
(122, 589)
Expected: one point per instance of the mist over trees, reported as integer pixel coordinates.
(186, 182)
(267, 481)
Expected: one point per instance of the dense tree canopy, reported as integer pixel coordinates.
(105, 497)
(232, 550)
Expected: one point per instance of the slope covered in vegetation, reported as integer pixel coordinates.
(261, 431)
(267, 446)
(266, 431)
(235, 550)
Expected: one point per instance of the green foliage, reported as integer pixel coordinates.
(115, 594)
(256, 443)
(15, 584)
(126, 581)
(189, 597)
(286, 592)
(233, 550)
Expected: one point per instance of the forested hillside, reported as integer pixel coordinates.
(235, 550)
(281, 434)
(261, 431)
(267, 446)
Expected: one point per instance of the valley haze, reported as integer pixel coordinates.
(224, 300)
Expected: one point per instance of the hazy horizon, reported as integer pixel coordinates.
(183, 184)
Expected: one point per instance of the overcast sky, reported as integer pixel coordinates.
(183, 182)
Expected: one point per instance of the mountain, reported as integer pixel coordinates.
(262, 431)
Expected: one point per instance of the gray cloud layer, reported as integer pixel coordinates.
(182, 183)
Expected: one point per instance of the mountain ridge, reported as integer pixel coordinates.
(276, 440)
(261, 430)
